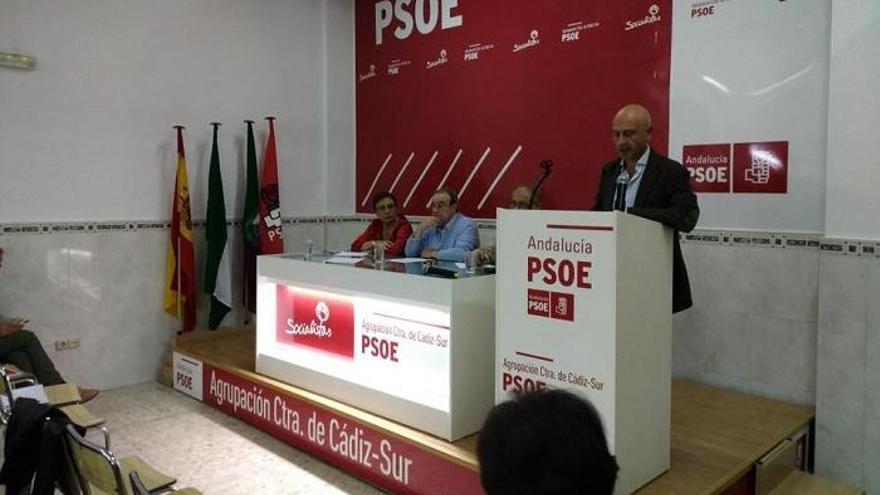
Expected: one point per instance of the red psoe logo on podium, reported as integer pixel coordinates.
(317, 320)
(562, 306)
(539, 303)
(547, 304)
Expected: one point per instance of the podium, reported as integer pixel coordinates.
(584, 303)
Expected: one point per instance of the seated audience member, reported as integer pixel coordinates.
(388, 228)
(519, 200)
(548, 442)
(447, 234)
(23, 350)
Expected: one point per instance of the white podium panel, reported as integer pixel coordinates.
(411, 348)
(583, 303)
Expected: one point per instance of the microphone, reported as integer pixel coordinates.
(547, 166)
(620, 191)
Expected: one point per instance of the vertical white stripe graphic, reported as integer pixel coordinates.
(400, 174)
(473, 173)
(448, 171)
(425, 171)
(499, 176)
(376, 179)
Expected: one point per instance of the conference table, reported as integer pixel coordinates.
(411, 340)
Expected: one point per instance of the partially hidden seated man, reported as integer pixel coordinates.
(23, 350)
(388, 229)
(446, 235)
(520, 198)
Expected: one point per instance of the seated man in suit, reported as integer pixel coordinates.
(23, 350)
(446, 235)
(645, 183)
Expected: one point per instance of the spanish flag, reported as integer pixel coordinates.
(180, 267)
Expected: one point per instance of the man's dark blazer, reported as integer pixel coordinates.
(664, 196)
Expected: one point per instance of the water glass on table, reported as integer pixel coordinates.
(309, 247)
(379, 254)
(470, 262)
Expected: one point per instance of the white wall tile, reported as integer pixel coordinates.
(753, 320)
(727, 344)
(689, 343)
(783, 354)
(790, 284)
(340, 234)
(840, 381)
(843, 284)
(872, 382)
(872, 456)
(298, 235)
(873, 301)
(791, 395)
(722, 381)
(840, 446)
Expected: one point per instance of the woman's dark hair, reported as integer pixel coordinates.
(548, 442)
(379, 196)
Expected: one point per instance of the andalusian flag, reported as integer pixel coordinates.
(271, 237)
(180, 267)
(250, 227)
(218, 276)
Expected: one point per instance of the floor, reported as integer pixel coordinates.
(209, 450)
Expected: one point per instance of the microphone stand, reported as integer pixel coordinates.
(547, 165)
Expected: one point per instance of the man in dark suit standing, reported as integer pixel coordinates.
(645, 183)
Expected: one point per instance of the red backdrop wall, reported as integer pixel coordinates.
(514, 104)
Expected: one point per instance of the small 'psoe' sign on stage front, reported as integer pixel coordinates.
(188, 375)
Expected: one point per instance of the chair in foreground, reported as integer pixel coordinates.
(138, 488)
(99, 471)
(9, 380)
(61, 396)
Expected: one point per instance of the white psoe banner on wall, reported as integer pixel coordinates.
(555, 291)
(748, 110)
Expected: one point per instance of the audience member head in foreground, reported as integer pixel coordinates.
(548, 442)
(388, 230)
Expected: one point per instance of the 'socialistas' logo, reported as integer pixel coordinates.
(652, 17)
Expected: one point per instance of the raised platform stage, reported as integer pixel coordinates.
(718, 435)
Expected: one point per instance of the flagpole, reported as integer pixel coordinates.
(247, 321)
(180, 129)
(179, 291)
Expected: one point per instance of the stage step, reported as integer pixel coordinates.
(801, 483)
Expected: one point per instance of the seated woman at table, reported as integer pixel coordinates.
(388, 228)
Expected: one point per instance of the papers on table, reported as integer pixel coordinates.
(342, 260)
(350, 254)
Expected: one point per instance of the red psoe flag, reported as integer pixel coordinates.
(180, 266)
(271, 236)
